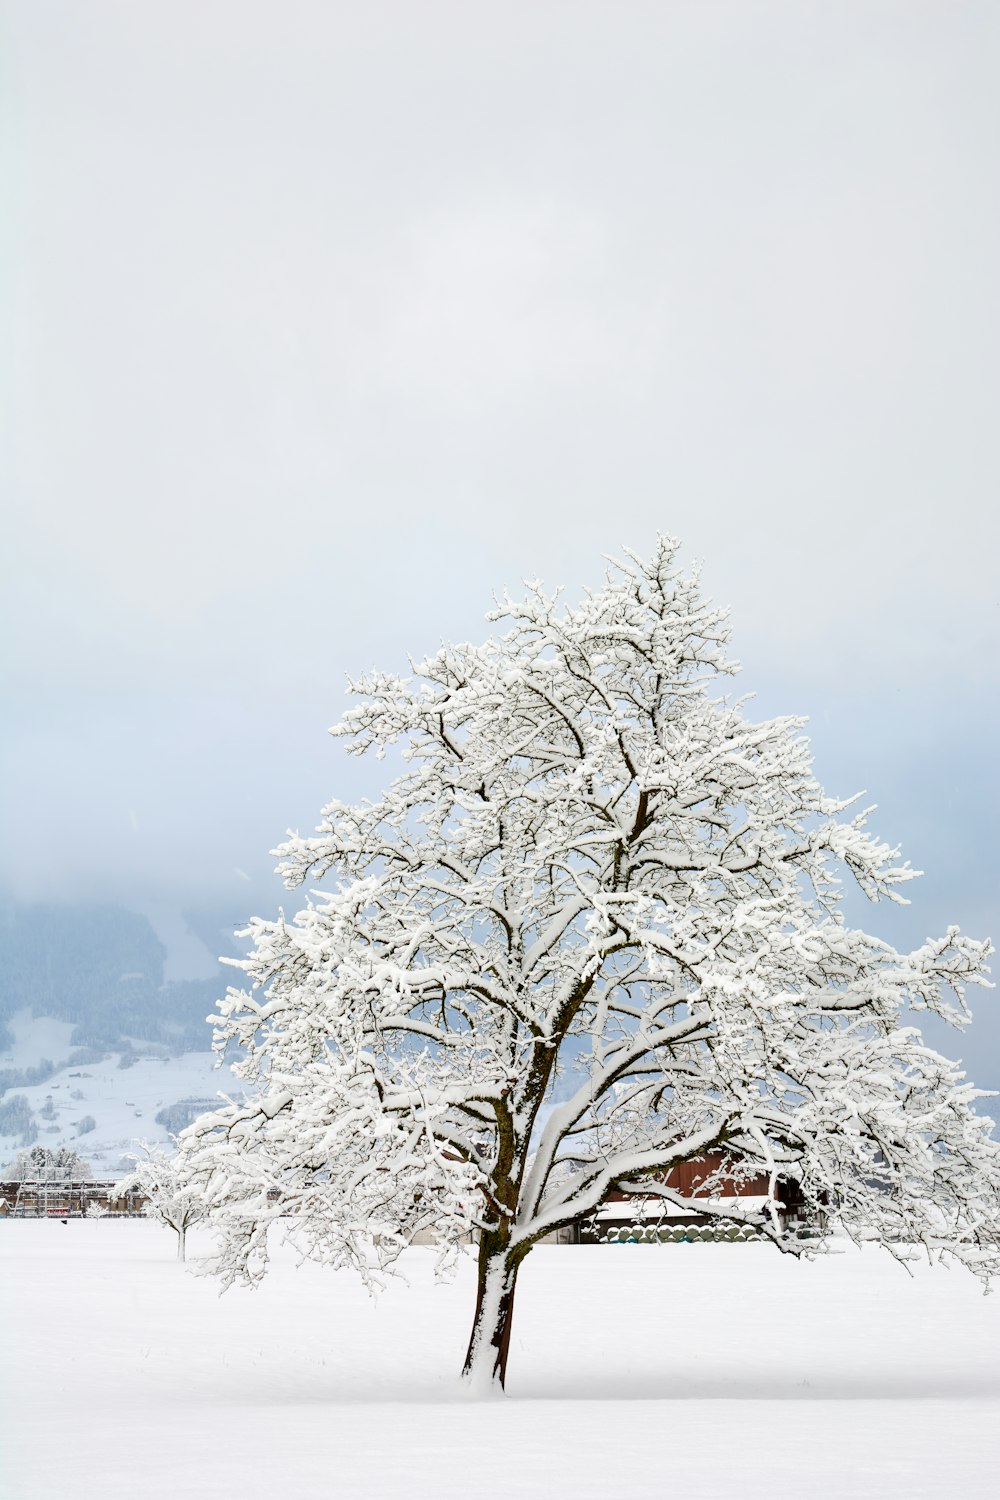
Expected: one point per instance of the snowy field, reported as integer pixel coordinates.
(695, 1371)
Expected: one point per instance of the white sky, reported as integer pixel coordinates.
(328, 320)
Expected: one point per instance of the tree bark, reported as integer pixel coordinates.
(181, 1236)
(485, 1368)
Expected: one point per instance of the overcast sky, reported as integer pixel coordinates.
(329, 320)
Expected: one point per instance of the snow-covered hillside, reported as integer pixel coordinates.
(101, 1107)
(102, 1026)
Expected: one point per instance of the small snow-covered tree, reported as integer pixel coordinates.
(42, 1164)
(591, 932)
(171, 1198)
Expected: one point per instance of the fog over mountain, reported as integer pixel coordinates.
(327, 330)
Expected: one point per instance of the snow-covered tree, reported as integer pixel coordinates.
(593, 930)
(42, 1164)
(171, 1198)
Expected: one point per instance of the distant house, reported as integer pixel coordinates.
(623, 1214)
(53, 1199)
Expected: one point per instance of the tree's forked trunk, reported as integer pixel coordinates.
(485, 1368)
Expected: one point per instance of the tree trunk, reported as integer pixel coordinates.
(181, 1236)
(486, 1361)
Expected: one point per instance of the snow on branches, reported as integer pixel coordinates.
(172, 1198)
(592, 931)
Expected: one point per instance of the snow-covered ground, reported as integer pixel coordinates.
(121, 1102)
(708, 1372)
(35, 1037)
